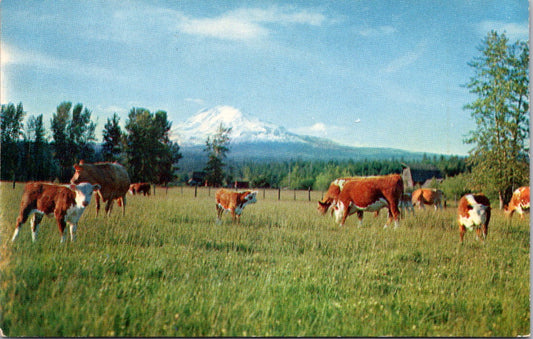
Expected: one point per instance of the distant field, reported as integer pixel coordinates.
(166, 269)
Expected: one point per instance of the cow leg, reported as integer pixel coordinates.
(73, 228)
(462, 231)
(394, 213)
(109, 207)
(61, 224)
(122, 203)
(22, 218)
(97, 198)
(220, 210)
(360, 217)
(35, 221)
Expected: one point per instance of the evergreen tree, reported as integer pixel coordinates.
(217, 149)
(11, 125)
(112, 148)
(500, 160)
(38, 153)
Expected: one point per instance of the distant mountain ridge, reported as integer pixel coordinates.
(256, 140)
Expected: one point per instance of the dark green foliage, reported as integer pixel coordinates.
(217, 148)
(151, 156)
(11, 130)
(113, 146)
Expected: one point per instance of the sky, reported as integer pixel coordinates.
(360, 72)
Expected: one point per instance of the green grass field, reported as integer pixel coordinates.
(166, 269)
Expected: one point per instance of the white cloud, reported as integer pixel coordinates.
(248, 23)
(513, 31)
(195, 101)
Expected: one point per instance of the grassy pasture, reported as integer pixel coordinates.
(166, 269)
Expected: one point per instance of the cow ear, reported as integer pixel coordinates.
(96, 187)
(72, 187)
(77, 167)
(82, 162)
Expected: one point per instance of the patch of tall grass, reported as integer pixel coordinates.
(166, 269)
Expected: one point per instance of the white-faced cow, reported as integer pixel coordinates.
(140, 187)
(67, 202)
(370, 194)
(474, 214)
(428, 196)
(233, 202)
(519, 202)
(112, 178)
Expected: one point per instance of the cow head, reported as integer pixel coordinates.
(78, 175)
(84, 192)
(323, 207)
(250, 197)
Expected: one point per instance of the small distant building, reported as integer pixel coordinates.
(241, 184)
(413, 176)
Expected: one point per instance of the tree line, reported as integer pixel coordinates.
(143, 147)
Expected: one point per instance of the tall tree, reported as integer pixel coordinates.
(150, 153)
(11, 130)
(217, 149)
(113, 137)
(73, 134)
(499, 159)
(38, 155)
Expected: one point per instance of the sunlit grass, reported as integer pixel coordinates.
(167, 269)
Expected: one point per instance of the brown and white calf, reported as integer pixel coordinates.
(112, 178)
(428, 196)
(233, 202)
(519, 202)
(140, 187)
(474, 214)
(369, 194)
(67, 202)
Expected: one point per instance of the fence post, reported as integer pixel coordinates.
(264, 192)
(195, 191)
(279, 193)
(309, 193)
(294, 194)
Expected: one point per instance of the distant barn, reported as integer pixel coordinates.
(416, 176)
(241, 184)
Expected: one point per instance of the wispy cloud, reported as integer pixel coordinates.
(514, 31)
(200, 102)
(406, 59)
(248, 23)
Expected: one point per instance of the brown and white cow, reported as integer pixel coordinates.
(112, 178)
(474, 214)
(67, 202)
(140, 187)
(233, 202)
(370, 194)
(519, 202)
(428, 196)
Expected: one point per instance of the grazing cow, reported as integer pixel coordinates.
(370, 194)
(474, 213)
(519, 202)
(112, 178)
(234, 202)
(140, 187)
(428, 196)
(67, 202)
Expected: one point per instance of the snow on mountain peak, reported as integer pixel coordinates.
(196, 129)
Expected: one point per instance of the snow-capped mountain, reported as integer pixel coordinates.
(244, 128)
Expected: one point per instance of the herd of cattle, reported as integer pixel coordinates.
(345, 196)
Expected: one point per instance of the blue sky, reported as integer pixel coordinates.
(314, 67)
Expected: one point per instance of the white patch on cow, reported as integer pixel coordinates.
(340, 183)
(477, 216)
(338, 211)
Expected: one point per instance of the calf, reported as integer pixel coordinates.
(234, 202)
(140, 187)
(428, 196)
(67, 202)
(474, 213)
(370, 194)
(519, 202)
(406, 203)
